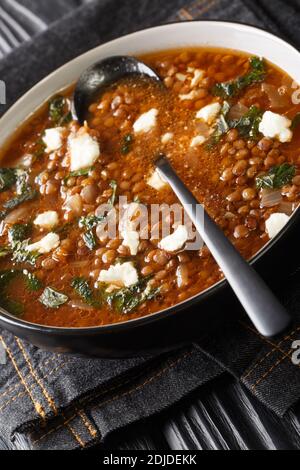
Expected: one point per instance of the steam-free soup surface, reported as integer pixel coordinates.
(228, 124)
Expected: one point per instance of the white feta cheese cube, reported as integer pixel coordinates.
(198, 140)
(276, 126)
(53, 139)
(146, 121)
(197, 78)
(189, 96)
(275, 223)
(46, 244)
(121, 275)
(84, 151)
(167, 137)
(131, 239)
(209, 113)
(176, 240)
(156, 181)
(47, 220)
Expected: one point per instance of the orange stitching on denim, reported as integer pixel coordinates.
(16, 386)
(22, 394)
(38, 407)
(274, 366)
(36, 378)
(196, 9)
(129, 392)
(264, 340)
(92, 430)
(45, 392)
(258, 363)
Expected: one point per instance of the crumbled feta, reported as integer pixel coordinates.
(146, 121)
(189, 96)
(167, 137)
(46, 244)
(47, 219)
(198, 76)
(131, 239)
(209, 112)
(84, 151)
(181, 77)
(276, 126)
(121, 275)
(156, 181)
(53, 139)
(175, 241)
(275, 223)
(198, 140)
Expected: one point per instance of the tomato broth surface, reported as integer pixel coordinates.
(229, 126)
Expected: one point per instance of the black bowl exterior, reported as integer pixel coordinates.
(183, 323)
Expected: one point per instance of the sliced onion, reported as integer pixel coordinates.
(237, 111)
(270, 198)
(74, 204)
(277, 99)
(286, 207)
(17, 215)
(79, 264)
(182, 274)
(80, 305)
(203, 129)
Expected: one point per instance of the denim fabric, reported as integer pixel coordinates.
(57, 402)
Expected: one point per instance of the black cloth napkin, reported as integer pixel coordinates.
(58, 402)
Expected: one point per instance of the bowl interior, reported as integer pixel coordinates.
(172, 36)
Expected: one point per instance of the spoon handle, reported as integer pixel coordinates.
(265, 311)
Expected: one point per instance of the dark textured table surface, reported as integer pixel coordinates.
(223, 415)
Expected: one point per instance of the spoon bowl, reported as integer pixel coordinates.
(95, 80)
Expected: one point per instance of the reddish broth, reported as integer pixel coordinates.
(222, 174)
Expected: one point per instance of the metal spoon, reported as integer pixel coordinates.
(267, 314)
(97, 78)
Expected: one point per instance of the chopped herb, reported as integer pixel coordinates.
(68, 117)
(58, 112)
(51, 298)
(90, 221)
(22, 255)
(32, 282)
(4, 251)
(221, 126)
(28, 195)
(295, 121)
(39, 149)
(248, 125)
(19, 232)
(82, 288)
(114, 186)
(256, 74)
(12, 306)
(90, 240)
(127, 299)
(277, 177)
(75, 174)
(126, 144)
(7, 178)
(64, 229)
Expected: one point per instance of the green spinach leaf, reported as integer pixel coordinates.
(51, 298)
(277, 177)
(256, 74)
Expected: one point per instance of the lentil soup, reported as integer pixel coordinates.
(228, 124)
